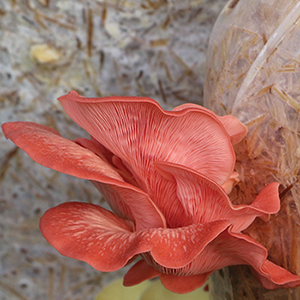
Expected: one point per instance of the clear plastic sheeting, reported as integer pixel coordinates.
(253, 72)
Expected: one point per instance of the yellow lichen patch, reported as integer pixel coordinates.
(159, 42)
(44, 53)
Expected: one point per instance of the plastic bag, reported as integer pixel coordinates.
(253, 72)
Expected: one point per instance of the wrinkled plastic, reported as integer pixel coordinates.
(253, 72)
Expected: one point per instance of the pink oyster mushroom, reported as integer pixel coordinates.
(165, 175)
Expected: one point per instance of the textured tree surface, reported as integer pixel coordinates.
(253, 73)
(148, 48)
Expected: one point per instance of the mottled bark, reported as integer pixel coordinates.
(99, 48)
